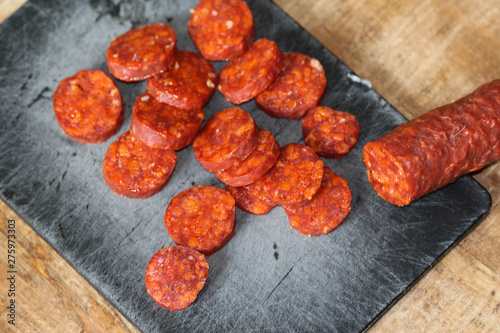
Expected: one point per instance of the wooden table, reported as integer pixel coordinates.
(417, 55)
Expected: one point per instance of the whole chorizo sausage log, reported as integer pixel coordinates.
(436, 148)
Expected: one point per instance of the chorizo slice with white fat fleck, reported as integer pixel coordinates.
(142, 52)
(189, 84)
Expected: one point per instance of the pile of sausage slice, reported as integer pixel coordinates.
(257, 173)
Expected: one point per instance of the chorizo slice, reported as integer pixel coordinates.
(164, 126)
(330, 133)
(134, 170)
(252, 198)
(88, 106)
(201, 217)
(254, 166)
(189, 84)
(175, 275)
(295, 177)
(142, 52)
(327, 209)
(433, 150)
(298, 88)
(221, 30)
(228, 137)
(245, 77)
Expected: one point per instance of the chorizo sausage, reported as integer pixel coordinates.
(221, 30)
(201, 217)
(330, 133)
(88, 106)
(327, 209)
(175, 275)
(228, 137)
(251, 198)
(163, 126)
(254, 166)
(295, 177)
(134, 170)
(189, 84)
(142, 52)
(298, 88)
(245, 77)
(433, 150)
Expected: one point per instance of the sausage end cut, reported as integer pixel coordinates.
(433, 150)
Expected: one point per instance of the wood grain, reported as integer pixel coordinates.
(417, 55)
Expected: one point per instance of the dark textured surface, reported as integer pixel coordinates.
(268, 277)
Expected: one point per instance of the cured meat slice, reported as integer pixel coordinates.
(228, 137)
(175, 275)
(254, 166)
(330, 133)
(252, 198)
(88, 106)
(327, 209)
(295, 177)
(189, 84)
(433, 150)
(134, 170)
(142, 52)
(163, 126)
(298, 88)
(245, 77)
(222, 29)
(201, 217)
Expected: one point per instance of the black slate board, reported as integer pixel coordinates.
(269, 277)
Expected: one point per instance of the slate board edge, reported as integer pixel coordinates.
(437, 259)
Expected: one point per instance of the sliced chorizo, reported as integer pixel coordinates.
(175, 275)
(221, 30)
(228, 137)
(298, 88)
(327, 209)
(245, 77)
(201, 217)
(88, 106)
(254, 166)
(164, 126)
(189, 84)
(142, 52)
(252, 198)
(330, 133)
(134, 170)
(433, 150)
(295, 177)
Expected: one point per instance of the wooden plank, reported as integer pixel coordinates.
(50, 295)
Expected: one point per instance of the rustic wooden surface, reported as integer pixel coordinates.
(417, 55)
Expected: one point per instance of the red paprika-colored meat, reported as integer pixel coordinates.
(202, 218)
(142, 52)
(330, 133)
(88, 106)
(298, 88)
(163, 126)
(174, 277)
(134, 170)
(327, 209)
(295, 177)
(189, 84)
(245, 77)
(436, 148)
(254, 166)
(227, 138)
(222, 29)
